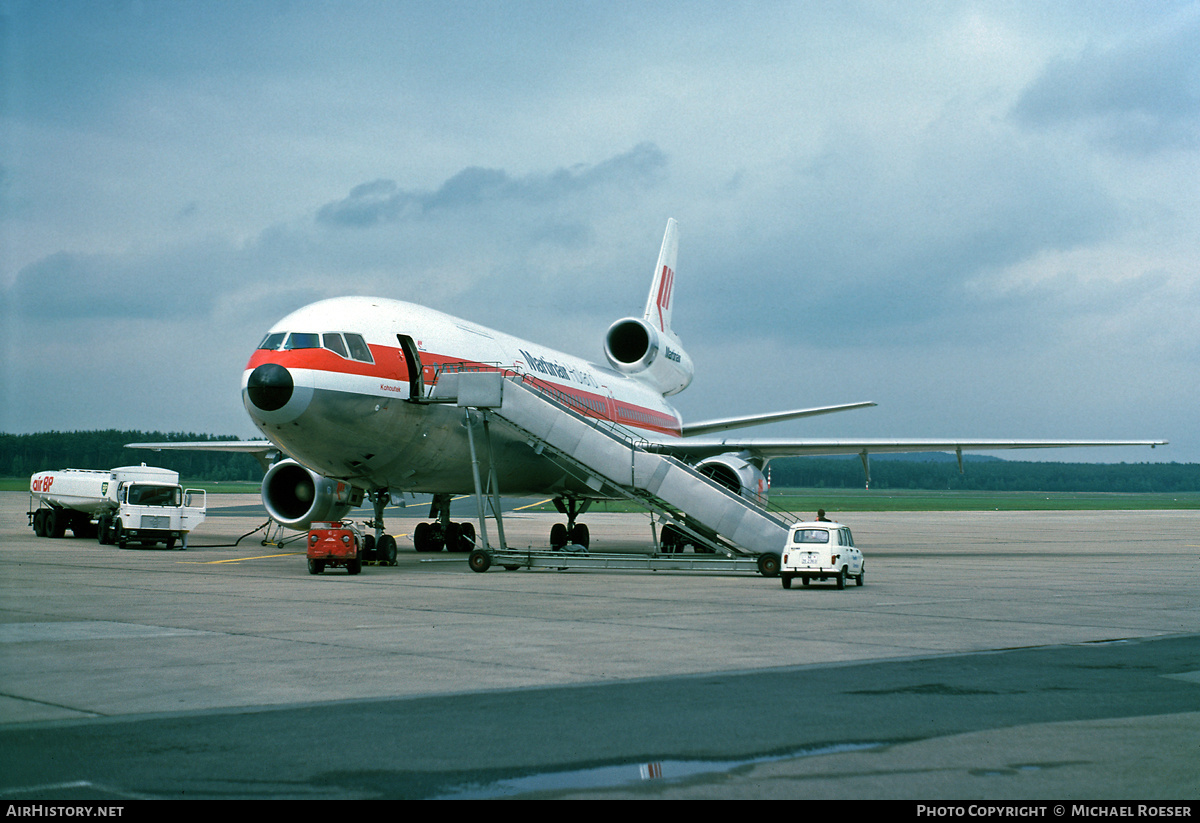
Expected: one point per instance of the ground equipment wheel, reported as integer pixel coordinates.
(768, 564)
(479, 561)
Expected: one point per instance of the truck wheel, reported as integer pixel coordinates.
(119, 535)
(768, 564)
(316, 566)
(479, 561)
(354, 566)
(56, 523)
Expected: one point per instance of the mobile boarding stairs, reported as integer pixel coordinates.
(615, 463)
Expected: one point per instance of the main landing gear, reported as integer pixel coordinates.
(442, 533)
(571, 532)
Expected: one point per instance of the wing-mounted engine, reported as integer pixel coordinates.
(635, 347)
(295, 496)
(737, 474)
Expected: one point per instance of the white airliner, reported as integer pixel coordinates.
(339, 390)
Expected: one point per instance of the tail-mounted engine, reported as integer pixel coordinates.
(636, 348)
(295, 496)
(736, 474)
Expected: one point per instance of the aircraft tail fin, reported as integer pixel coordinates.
(659, 303)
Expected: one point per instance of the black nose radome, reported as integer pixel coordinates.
(270, 387)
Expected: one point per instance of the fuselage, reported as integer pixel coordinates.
(332, 385)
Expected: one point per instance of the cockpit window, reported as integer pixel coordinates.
(303, 340)
(273, 340)
(358, 348)
(351, 347)
(333, 342)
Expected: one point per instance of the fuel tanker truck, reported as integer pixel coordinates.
(131, 504)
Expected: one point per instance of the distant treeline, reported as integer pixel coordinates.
(986, 475)
(22, 455)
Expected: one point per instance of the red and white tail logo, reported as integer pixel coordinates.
(664, 295)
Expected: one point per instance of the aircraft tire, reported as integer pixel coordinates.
(385, 552)
(466, 536)
(558, 536)
(423, 537)
(580, 535)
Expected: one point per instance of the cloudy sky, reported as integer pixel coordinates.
(982, 216)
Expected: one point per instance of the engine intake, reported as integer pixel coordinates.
(737, 474)
(637, 348)
(294, 496)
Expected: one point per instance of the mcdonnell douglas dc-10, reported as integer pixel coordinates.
(345, 392)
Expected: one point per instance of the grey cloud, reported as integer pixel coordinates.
(66, 285)
(1142, 96)
(382, 201)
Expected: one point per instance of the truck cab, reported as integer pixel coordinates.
(820, 550)
(149, 513)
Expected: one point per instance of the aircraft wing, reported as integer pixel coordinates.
(264, 451)
(768, 448)
(710, 426)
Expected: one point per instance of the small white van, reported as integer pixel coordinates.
(820, 550)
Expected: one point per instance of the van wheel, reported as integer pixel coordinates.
(787, 580)
(804, 579)
(862, 573)
(841, 578)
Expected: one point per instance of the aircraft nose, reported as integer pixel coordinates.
(270, 387)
